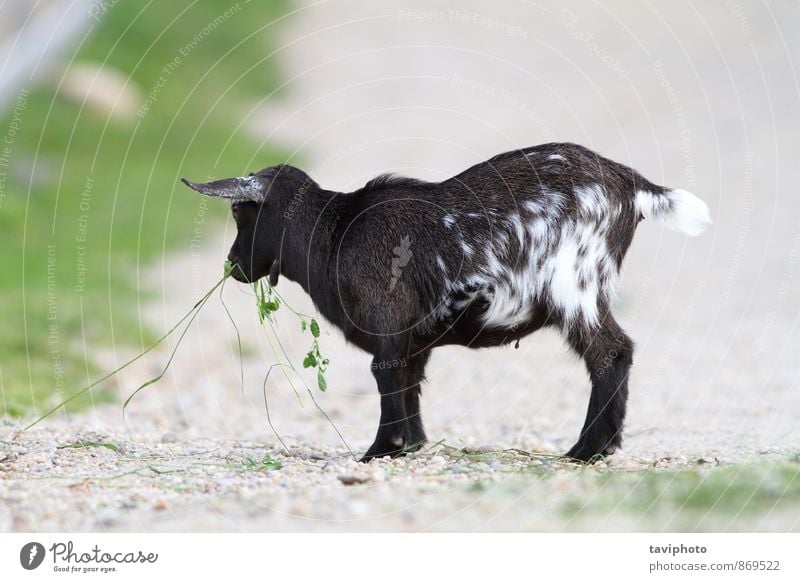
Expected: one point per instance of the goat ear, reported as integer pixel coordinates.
(247, 189)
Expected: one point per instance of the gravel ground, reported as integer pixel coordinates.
(692, 96)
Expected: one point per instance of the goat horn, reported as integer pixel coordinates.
(237, 189)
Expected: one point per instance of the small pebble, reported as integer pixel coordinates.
(351, 479)
(169, 437)
(707, 461)
(9, 458)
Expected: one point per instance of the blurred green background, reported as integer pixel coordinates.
(90, 190)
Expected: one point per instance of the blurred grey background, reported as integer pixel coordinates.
(697, 95)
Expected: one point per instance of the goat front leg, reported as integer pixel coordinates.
(414, 376)
(393, 431)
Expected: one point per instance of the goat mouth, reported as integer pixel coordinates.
(238, 274)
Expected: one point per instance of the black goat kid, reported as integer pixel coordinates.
(531, 238)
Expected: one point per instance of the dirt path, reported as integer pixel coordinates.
(702, 98)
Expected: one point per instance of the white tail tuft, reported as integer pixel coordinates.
(676, 209)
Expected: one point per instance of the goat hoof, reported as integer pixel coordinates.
(583, 453)
(368, 456)
(395, 447)
(415, 446)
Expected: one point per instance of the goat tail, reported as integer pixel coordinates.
(676, 209)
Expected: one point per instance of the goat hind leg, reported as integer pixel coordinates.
(608, 353)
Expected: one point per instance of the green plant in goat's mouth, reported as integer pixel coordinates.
(269, 301)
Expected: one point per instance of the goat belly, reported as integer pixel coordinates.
(474, 334)
(465, 322)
